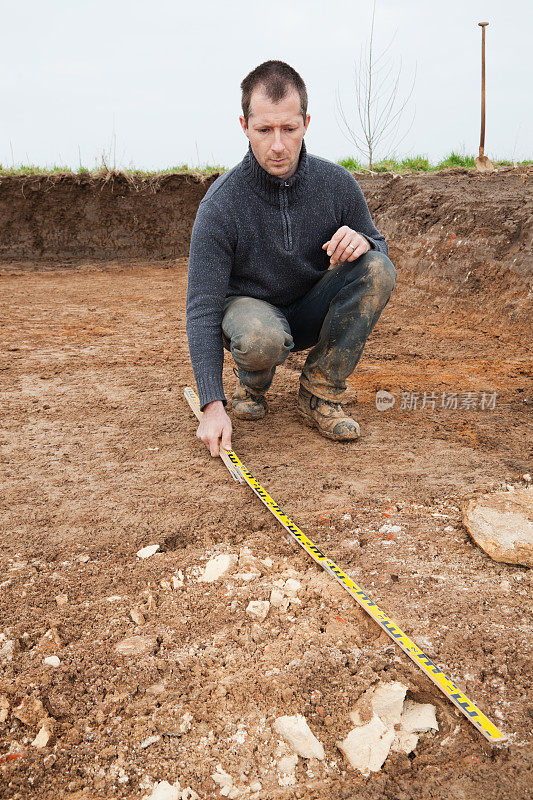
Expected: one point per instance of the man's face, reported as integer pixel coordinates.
(276, 132)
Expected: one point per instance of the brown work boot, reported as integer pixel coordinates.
(329, 417)
(248, 404)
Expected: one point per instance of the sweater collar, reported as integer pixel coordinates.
(269, 185)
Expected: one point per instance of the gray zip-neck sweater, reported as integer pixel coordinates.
(261, 236)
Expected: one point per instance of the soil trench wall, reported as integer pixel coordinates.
(460, 232)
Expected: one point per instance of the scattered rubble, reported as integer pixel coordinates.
(385, 721)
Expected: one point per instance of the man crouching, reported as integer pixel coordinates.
(284, 256)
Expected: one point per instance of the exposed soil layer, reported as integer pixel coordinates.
(469, 230)
(99, 458)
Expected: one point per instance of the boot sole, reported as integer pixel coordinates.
(312, 423)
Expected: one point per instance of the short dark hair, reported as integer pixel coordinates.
(277, 78)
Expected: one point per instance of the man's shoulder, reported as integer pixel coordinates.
(222, 186)
(324, 167)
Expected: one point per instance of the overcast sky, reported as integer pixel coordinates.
(155, 83)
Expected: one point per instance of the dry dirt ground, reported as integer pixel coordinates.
(99, 458)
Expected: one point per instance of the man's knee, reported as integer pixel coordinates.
(381, 273)
(261, 348)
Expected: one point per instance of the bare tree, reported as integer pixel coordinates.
(377, 101)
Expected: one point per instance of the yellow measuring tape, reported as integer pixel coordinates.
(452, 692)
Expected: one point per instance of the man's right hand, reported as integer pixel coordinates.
(215, 424)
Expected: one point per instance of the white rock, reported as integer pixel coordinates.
(146, 552)
(43, 737)
(52, 661)
(367, 746)
(276, 597)
(267, 562)
(404, 742)
(62, 599)
(297, 733)
(164, 791)
(286, 770)
(388, 528)
(177, 580)
(387, 702)
(7, 648)
(292, 587)
(4, 708)
(149, 740)
(186, 722)
(258, 609)
(137, 616)
(418, 717)
(223, 779)
(501, 523)
(256, 786)
(217, 567)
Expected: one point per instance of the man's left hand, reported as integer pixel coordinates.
(345, 245)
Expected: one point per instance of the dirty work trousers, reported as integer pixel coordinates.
(334, 318)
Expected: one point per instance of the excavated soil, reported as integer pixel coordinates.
(99, 459)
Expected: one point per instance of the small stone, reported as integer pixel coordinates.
(50, 641)
(388, 528)
(292, 587)
(276, 597)
(148, 741)
(52, 661)
(7, 648)
(62, 600)
(223, 779)
(256, 786)
(297, 733)
(4, 708)
(137, 616)
(164, 791)
(286, 770)
(29, 711)
(177, 580)
(217, 567)
(186, 722)
(258, 609)
(49, 760)
(165, 585)
(267, 562)
(387, 702)
(135, 646)
(149, 550)
(44, 735)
